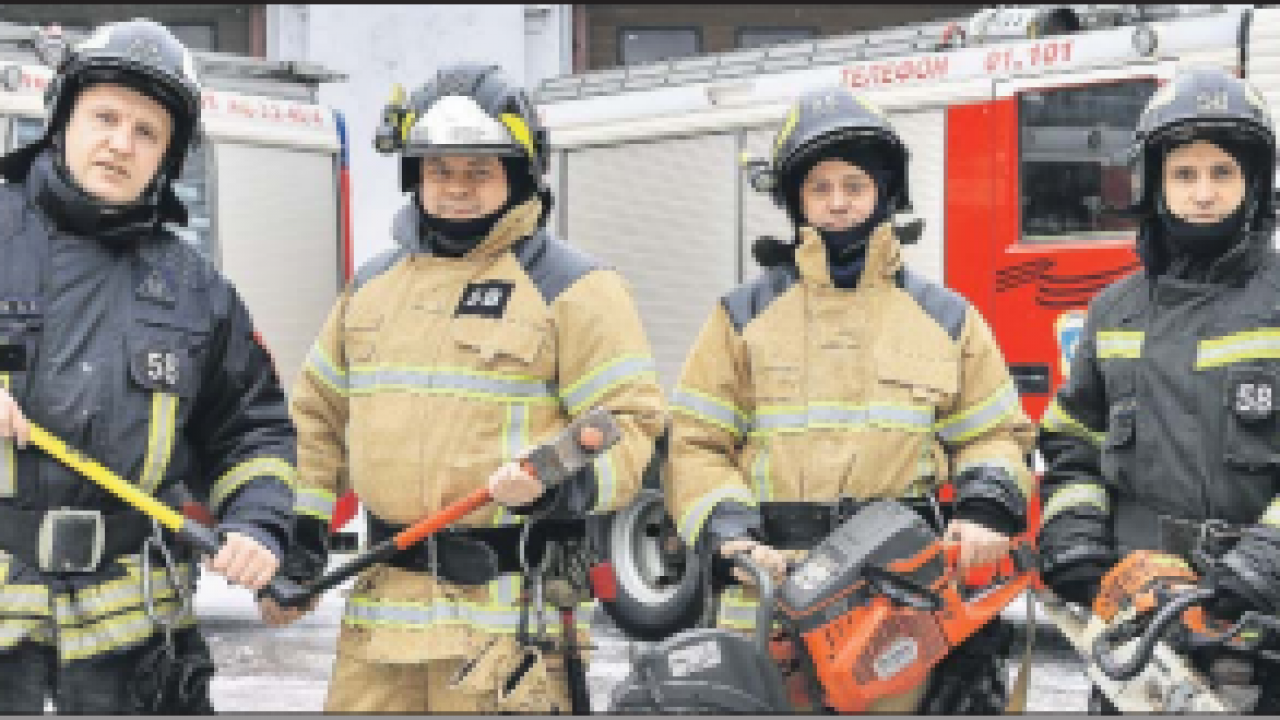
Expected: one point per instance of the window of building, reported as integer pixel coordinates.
(649, 44)
(195, 37)
(1073, 144)
(754, 37)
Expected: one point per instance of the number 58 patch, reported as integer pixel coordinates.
(1253, 395)
(159, 370)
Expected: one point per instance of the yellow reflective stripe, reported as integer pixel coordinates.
(505, 590)
(237, 476)
(710, 409)
(14, 630)
(1075, 495)
(583, 393)
(981, 417)
(737, 612)
(696, 516)
(114, 633)
(1260, 344)
(453, 381)
(325, 370)
(515, 438)
(771, 419)
(24, 599)
(115, 595)
(315, 502)
(760, 474)
(8, 485)
(160, 437)
(1272, 515)
(492, 617)
(1057, 420)
(1119, 344)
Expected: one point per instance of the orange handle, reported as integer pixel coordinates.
(447, 516)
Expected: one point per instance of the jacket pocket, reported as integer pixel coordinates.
(919, 378)
(1121, 439)
(1251, 424)
(360, 337)
(499, 345)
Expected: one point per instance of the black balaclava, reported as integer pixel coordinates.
(846, 249)
(1200, 244)
(72, 209)
(455, 238)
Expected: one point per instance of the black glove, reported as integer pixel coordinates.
(1248, 577)
(1078, 583)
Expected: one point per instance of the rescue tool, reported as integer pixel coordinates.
(868, 613)
(1150, 604)
(550, 462)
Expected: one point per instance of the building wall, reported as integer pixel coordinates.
(379, 45)
(232, 24)
(718, 24)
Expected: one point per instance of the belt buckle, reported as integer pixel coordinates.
(1211, 541)
(71, 540)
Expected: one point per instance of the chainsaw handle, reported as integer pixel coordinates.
(768, 592)
(902, 590)
(1164, 617)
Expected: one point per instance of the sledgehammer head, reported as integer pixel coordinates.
(585, 439)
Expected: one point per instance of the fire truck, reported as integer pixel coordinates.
(267, 186)
(1017, 121)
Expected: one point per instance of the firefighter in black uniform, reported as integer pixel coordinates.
(1166, 435)
(122, 340)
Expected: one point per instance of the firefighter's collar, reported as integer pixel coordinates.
(884, 258)
(518, 222)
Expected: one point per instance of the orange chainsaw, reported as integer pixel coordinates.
(869, 612)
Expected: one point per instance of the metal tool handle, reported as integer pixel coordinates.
(768, 593)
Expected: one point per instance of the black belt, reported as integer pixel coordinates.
(803, 525)
(123, 534)
(454, 555)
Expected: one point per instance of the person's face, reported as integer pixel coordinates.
(115, 141)
(837, 195)
(460, 187)
(1202, 183)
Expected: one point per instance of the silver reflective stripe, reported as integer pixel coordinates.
(596, 383)
(515, 437)
(694, 518)
(25, 599)
(8, 486)
(383, 379)
(315, 502)
(237, 476)
(1261, 344)
(422, 615)
(1272, 515)
(606, 482)
(760, 474)
(114, 633)
(981, 417)
(328, 373)
(1073, 495)
(736, 610)
(505, 589)
(113, 596)
(164, 416)
(910, 418)
(1055, 419)
(710, 409)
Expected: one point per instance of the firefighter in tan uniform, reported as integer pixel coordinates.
(476, 337)
(840, 376)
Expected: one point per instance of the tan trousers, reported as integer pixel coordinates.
(361, 686)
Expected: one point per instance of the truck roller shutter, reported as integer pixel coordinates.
(277, 239)
(664, 214)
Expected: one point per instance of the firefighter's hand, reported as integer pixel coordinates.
(13, 424)
(275, 616)
(768, 557)
(979, 544)
(244, 561)
(512, 485)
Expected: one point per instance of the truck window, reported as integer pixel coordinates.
(191, 187)
(1073, 143)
